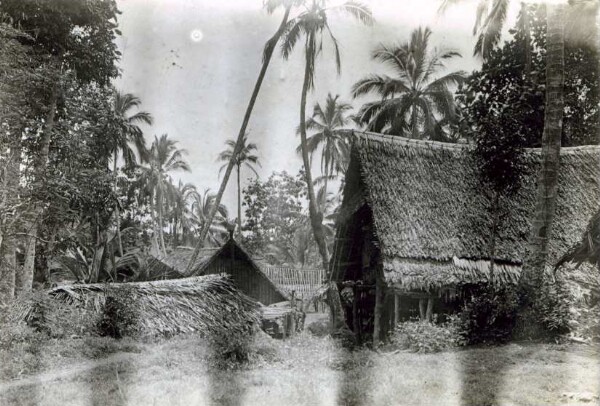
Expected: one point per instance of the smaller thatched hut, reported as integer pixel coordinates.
(209, 305)
(415, 224)
(230, 259)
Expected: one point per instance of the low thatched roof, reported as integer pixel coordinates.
(209, 305)
(428, 208)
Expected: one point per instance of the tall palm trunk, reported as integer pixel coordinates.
(155, 244)
(316, 216)
(159, 211)
(239, 202)
(25, 278)
(270, 47)
(117, 213)
(548, 176)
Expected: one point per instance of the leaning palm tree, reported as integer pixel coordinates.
(270, 6)
(414, 102)
(163, 157)
(311, 24)
(245, 157)
(328, 124)
(128, 132)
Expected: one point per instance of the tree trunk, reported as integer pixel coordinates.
(25, 279)
(239, 202)
(315, 215)
(415, 128)
(117, 214)
(534, 266)
(161, 238)
(269, 48)
(155, 245)
(8, 246)
(8, 265)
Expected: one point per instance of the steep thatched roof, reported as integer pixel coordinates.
(206, 304)
(427, 205)
(175, 263)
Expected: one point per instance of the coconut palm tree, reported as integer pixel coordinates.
(531, 277)
(328, 124)
(311, 24)
(163, 158)
(415, 101)
(270, 6)
(202, 206)
(127, 133)
(181, 197)
(489, 21)
(244, 157)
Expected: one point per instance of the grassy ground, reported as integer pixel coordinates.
(301, 371)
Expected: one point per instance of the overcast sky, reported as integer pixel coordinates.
(194, 64)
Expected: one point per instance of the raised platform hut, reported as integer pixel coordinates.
(415, 225)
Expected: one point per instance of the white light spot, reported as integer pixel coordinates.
(196, 35)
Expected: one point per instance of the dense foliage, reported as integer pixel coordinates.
(424, 336)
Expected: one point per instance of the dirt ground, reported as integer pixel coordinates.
(301, 371)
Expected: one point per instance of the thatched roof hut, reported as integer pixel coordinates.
(416, 211)
(209, 305)
(231, 259)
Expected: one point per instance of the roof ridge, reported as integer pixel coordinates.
(439, 145)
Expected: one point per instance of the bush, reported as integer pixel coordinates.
(555, 307)
(119, 318)
(490, 315)
(423, 336)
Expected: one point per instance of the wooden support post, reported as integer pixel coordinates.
(355, 326)
(422, 309)
(396, 309)
(428, 314)
(378, 308)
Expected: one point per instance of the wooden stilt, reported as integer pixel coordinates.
(378, 309)
(428, 314)
(355, 322)
(396, 309)
(422, 309)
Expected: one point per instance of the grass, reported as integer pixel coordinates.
(301, 371)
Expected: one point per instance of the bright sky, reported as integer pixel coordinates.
(194, 64)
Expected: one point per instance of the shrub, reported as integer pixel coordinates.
(490, 314)
(119, 318)
(423, 336)
(555, 307)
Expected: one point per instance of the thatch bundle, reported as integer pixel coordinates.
(209, 305)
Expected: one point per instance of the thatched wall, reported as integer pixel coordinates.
(427, 204)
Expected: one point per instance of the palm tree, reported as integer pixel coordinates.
(330, 136)
(181, 196)
(531, 277)
(414, 102)
(163, 157)
(244, 157)
(128, 132)
(312, 23)
(271, 6)
(202, 206)
(489, 21)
